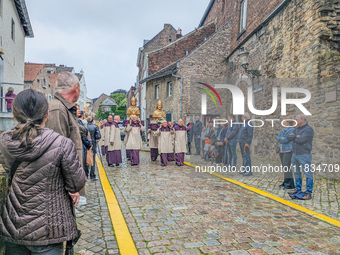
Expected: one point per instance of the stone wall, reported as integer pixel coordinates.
(205, 64)
(299, 48)
(257, 12)
(170, 104)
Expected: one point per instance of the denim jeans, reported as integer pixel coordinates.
(197, 144)
(303, 162)
(9, 109)
(232, 153)
(286, 160)
(245, 158)
(225, 155)
(52, 249)
(206, 155)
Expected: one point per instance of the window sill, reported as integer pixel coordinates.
(241, 33)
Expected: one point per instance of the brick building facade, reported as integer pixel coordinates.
(36, 75)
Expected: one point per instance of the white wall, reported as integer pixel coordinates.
(14, 56)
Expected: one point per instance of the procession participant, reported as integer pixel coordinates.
(153, 140)
(125, 141)
(180, 142)
(197, 134)
(190, 136)
(165, 141)
(102, 140)
(114, 156)
(134, 140)
(95, 137)
(107, 131)
(171, 156)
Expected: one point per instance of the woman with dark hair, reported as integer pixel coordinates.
(45, 177)
(95, 137)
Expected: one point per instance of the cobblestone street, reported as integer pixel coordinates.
(326, 191)
(169, 210)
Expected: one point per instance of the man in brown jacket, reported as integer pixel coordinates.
(63, 114)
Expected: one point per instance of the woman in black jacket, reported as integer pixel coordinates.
(95, 137)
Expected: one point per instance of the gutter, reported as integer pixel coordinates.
(206, 13)
(278, 9)
(180, 101)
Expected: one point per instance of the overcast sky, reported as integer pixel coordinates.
(102, 37)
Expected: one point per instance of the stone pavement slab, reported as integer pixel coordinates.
(170, 211)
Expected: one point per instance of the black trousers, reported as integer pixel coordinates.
(286, 160)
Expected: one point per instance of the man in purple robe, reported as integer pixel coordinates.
(107, 131)
(153, 140)
(114, 156)
(165, 142)
(180, 142)
(134, 139)
(171, 156)
(102, 140)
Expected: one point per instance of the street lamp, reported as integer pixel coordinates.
(244, 58)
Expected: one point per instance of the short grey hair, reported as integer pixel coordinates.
(247, 115)
(302, 116)
(66, 81)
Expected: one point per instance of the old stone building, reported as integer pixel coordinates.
(97, 101)
(37, 77)
(173, 84)
(162, 65)
(292, 44)
(166, 36)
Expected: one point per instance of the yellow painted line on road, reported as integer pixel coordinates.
(125, 243)
(276, 198)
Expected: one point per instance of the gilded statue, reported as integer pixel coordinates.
(158, 114)
(133, 109)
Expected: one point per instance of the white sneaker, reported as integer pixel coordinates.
(82, 200)
(79, 214)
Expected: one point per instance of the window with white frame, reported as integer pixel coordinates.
(243, 24)
(157, 92)
(169, 89)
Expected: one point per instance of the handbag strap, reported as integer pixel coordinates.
(14, 168)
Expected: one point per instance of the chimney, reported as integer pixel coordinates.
(179, 33)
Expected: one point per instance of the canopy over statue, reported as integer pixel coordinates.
(158, 114)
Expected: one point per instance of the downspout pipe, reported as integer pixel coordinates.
(180, 101)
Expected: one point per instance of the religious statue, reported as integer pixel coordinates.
(133, 110)
(158, 114)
